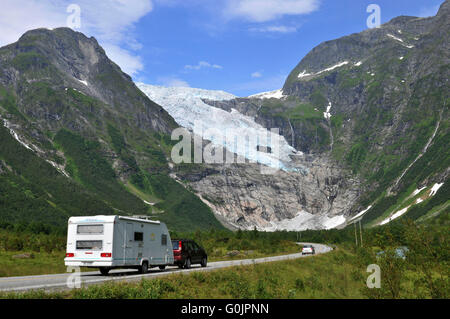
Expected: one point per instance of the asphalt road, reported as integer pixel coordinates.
(59, 281)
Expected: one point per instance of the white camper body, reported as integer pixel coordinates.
(108, 242)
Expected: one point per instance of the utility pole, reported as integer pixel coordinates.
(360, 232)
(356, 237)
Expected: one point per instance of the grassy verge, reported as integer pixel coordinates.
(289, 248)
(37, 264)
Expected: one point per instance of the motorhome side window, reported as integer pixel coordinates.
(138, 236)
(163, 239)
(89, 229)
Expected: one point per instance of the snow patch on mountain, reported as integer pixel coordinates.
(304, 220)
(277, 94)
(333, 67)
(327, 114)
(435, 188)
(333, 222)
(400, 40)
(419, 200)
(394, 37)
(361, 213)
(395, 216)
(84, 82)
(32, 147)
(15, 135)
(58, 167)
(417, 191)
(304, 74)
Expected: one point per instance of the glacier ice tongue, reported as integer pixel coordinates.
(186, 106)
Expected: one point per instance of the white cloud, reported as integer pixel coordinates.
(171, 81)
(275, 29)
(19, 16)
(267, 10)
(111, 22)
(202, 64)
(256, 74)
(129, 63)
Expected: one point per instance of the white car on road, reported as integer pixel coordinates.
(308, 249)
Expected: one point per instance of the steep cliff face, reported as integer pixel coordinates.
(243, 197)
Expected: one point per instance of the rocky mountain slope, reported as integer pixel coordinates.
(369, 111)
(78, 137)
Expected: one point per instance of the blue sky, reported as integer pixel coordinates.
(239, 46)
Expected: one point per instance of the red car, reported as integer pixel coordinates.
(187, 252)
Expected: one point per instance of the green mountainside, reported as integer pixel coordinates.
(390, 119)
(79, 138)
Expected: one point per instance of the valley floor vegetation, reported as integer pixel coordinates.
(342, 273)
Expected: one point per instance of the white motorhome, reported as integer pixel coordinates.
(108, 242)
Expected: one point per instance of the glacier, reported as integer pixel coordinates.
(186, 106)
